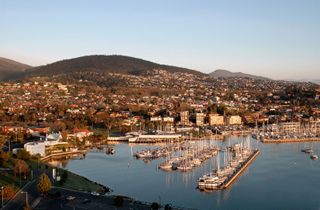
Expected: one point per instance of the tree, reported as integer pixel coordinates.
(20, 137)
(20, 166)
(27, 207)
(154, 205)
(8, 191)
(44, 184)
(118, 201)
(3, 157)
(64, 134)
(23, 154)
(9, 154)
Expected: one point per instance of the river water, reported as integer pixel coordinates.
(281, 177)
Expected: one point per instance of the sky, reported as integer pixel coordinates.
(279, 39)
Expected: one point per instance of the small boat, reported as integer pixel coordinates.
(314, 157)
(307, 150)
(166, 166)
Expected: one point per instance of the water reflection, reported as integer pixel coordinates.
(290, 181)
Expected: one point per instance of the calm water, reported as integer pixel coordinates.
(272, 181)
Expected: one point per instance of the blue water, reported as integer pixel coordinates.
(272, 181)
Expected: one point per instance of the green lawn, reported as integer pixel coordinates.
(34, 164)
(76, 182)
(8, 179)
(73, 182)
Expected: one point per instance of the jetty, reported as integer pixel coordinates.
(63, 155)
(289, 140)
(240, 170)
(223, 178)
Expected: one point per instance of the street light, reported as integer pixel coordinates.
(20, 175)
(26, 197)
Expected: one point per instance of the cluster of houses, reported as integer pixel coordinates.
(43, 137)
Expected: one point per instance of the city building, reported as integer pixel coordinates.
(35, 148)
(289, 126)
(216, 119)
(184, 117)
(234, 120)
(199, 119)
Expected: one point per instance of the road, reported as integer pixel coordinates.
(96, 202)
(19, 201)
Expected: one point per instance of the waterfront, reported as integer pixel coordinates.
(280, 177)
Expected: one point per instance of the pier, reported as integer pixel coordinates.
(240, 170)
(63, 155)
(209, 183)
(289, 140)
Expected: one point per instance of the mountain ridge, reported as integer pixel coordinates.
(10, 69)
(105, 63)
(226, 73)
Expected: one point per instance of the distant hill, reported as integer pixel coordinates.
(103, 63)
(225, 73)
(10, 69)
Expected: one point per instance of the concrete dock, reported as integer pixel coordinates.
(240, 170)
(235, 175)
(289, 140)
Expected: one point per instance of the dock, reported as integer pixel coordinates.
(240, 170)
(62, 155)
(289, 140)
(234, 176)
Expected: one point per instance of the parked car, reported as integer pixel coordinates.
(95, 193)
(70, 198)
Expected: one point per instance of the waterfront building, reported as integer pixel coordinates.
(35, 148)
(289, 126)
(168, 119)
(155, 118)
(199, 119)
(184, 117)
(234, 120)
(52, 139)
(216, 119)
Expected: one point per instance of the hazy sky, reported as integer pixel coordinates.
(279, 39)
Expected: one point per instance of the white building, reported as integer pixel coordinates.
(35, 148)
(52, 139)
(168, 119)
(156, 118)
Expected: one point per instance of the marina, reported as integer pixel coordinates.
(275, 172)
(238, 158)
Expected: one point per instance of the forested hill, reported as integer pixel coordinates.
(104, 64)
(10, 69)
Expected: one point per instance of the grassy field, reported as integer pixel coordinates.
(79, 183)
(73, 182)
(34, 164)
(8, 179)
